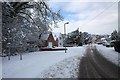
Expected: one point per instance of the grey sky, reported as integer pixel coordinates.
(91, 17)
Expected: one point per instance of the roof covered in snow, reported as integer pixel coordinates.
(45, 35)
(56, 35)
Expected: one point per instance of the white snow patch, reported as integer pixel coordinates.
(109, 53)
(34, 63)
(68, 68)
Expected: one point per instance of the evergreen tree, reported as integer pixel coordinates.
(114, 35)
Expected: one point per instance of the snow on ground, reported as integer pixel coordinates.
(67, 68)
(109, 53)
(34, 63)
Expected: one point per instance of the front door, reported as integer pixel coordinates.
(49, 44)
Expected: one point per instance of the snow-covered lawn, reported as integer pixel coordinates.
(109, 53)
(36, 64)
(67, 68)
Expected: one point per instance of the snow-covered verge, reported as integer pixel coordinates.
(109, 53)
(68, 68)
(34, 63)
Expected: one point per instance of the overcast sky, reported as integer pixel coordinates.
(92, 17)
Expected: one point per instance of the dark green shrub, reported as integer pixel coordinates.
(80, 44)
(117, 46)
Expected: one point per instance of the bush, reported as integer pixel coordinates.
(107, 45)
(117, 46)
(80, 44)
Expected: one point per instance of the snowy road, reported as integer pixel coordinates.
(94, 65)
(58, 64)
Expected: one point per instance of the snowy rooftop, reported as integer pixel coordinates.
(45, 35)
(56, 35)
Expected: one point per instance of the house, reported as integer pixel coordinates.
(50, 39)
(47, 40)
(59, 39)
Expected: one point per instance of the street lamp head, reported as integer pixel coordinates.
(67, 23)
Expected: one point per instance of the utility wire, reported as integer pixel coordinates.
(99, 14)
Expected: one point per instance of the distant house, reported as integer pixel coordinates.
(51, 40)
(59, 39)
(47, 40)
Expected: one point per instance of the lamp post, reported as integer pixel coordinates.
(9, 51)
(65, 33)
(20, 51)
